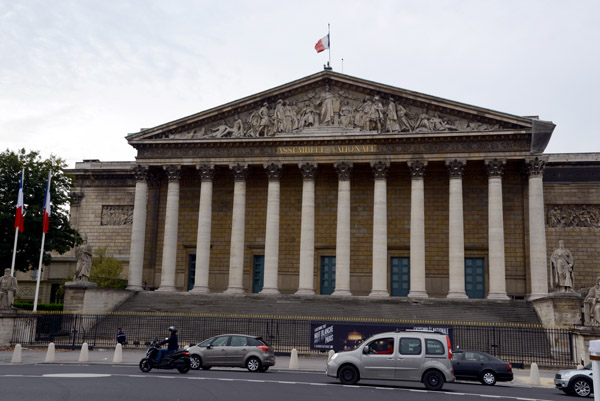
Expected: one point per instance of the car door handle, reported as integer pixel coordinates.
(390, 359)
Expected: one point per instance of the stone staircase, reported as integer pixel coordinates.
(321, 306)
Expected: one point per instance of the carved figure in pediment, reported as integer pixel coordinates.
(346, 118)
(439, 124)
(307, 117)
(265, 121)
(327, 103)
(391, 121)
(290, 120)
(279, 118)
(423, 123)
(360, 112)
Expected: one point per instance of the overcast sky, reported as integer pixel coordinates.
(77, 76)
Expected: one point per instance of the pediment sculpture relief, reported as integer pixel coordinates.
(332, 109)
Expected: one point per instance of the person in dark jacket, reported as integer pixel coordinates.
(173, 344)
(121, 338)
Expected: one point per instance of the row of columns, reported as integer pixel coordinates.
(497, 275)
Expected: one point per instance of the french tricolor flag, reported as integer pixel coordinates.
(322, 44)
(47, 209)
(19, 216)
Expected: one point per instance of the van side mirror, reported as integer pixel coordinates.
(365, 350)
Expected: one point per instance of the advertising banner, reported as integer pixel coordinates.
(346, 336)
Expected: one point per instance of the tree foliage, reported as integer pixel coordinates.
(106, 270)
(60, 236)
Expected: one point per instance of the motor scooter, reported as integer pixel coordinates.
(179, 360)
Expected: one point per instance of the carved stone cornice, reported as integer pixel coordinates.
(495, 167)
(207, 172)
(456, 168)
(380, 169)
(417, 169)
(344, 170)
(535, 166)
(141, 172)
(308, 170)
(240, 171)
(76, 198)
(273, 171)
(173, 173)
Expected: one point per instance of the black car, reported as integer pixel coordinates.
(475, 365)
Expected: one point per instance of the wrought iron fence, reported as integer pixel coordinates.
(514, 343)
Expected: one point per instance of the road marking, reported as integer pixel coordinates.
(77, 375)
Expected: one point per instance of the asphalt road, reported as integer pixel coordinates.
(53, 382)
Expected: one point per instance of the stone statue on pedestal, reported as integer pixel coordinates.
(83, 253)
(8, 290)
(562, 264)
(591, 305)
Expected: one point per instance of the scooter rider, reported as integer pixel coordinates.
(172, 341)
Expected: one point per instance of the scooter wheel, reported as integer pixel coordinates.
(186, 366)
(145, 365)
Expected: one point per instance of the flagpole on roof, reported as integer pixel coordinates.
(39, 274)
(20, 223)
(329, 47)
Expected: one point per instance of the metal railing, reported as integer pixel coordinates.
(522, 344)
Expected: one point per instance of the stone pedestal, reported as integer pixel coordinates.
(7, 323)
(582, 335)
(559, 309)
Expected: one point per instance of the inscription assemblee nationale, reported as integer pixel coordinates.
(300, 150)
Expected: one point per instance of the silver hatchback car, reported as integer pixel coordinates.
(405, 355)
(232, 350)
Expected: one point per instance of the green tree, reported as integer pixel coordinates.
(106, 270)
(60, 236)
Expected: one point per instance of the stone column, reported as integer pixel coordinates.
(380, 242)
(207, 173)
(138, 230)
(537, 229)
(417, 230)
(342, 247)
(272, 230)
(497, 273)
(169, 256)
(307, 230)
(456, 232)
(238, 225)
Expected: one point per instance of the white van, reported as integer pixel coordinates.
(424, 356)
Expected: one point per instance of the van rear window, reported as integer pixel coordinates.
(410, 346)
(434, 347)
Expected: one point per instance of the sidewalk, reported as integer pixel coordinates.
(132, 356)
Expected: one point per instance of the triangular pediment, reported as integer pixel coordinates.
(329, 103)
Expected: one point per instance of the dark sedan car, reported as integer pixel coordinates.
(475, 365)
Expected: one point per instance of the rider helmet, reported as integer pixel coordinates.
(173, 329)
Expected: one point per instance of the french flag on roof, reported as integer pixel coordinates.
(19, 216)
(47, 208)
(322, 44)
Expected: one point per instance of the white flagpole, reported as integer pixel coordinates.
(39, 275)
(12, 266)
(329, 38)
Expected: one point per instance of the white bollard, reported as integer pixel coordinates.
(294, 359)
(83, 356)
(534, 376)
(330, 354)
(118, 357)
(50, 354)
(595, 357)
(16, 357)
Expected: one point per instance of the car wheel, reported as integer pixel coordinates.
(581, 387)
(145, 365)
(488, 378)
(195, 362)
(206, 367)
(186, 366)
(253, 364)
(348, 375)
(433, 380)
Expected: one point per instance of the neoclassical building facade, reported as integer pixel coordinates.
(339, 186)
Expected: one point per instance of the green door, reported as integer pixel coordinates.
(191, 272)
(400, 276)
(258, 273)
(475, 277)
(327, 275)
